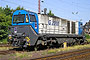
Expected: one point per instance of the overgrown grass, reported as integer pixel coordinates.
(51, 51)
(21, 55)
(88, 40)
(4, 41)
(87, 36)
(5, 48)
(67, 49)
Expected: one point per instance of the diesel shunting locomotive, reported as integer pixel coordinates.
(32, 29)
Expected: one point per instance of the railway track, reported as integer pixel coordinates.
(5, 45)
(67, 56)
(61, 56)
(10, 51)
(7, 52)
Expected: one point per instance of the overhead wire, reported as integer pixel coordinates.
(29, 3)
(18, 4)
(46, 4)
(57, 8)
(62, 10)
(80, 8)
(73, 4)
(80, 3)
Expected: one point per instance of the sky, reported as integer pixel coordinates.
(78, 10)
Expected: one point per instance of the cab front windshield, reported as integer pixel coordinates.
(19, 18)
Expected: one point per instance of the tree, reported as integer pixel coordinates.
(19, 8)
(5, 20)
(1, 10)
(7, 10)
(50, 13)
(3, 26)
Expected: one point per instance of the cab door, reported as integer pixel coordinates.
(80, 28)
(34, 22)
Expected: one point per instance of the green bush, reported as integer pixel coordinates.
(5, 21)
(3, 41)
(87, 36)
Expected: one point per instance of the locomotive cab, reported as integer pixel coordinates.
(24, 28)
(22, 17)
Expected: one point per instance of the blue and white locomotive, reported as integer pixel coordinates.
(31, 29)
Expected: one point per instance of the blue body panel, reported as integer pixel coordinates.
(30, 23)
(80, 28)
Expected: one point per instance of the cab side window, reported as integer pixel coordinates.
(32, 18)
(27, 18)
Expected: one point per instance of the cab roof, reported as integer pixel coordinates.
(23, 12)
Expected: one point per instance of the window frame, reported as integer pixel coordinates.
(28, 19)
(18, 15)
(30, 15)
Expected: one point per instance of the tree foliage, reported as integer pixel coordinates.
(50, 13)
(7, 10)
(19, 8)
(5, 20)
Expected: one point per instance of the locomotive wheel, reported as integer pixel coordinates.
(38, 45)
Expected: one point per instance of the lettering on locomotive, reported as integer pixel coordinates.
(55, 23)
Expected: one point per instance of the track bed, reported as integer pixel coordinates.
(76, 55)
